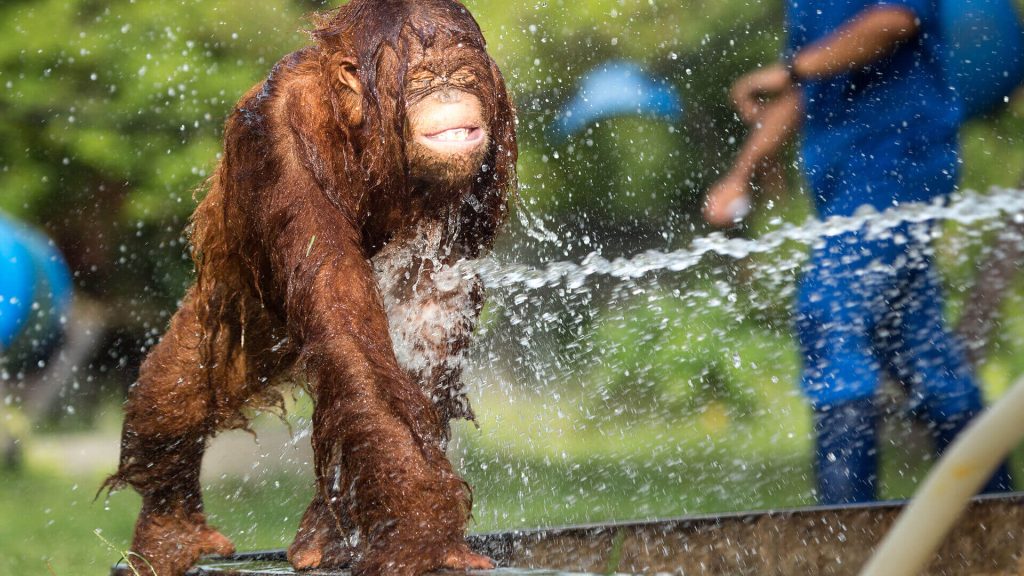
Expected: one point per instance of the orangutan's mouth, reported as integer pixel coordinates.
(455, 138)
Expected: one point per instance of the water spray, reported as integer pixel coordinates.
(968, 207)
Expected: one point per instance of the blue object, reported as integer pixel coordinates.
(984, 56)
(617, 88)
(846, 452)
(884, 173)
(880, 136)
(898, 111)
(873, 305)
(869, 306)
(35, 290)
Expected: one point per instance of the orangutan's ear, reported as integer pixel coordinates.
(346, 71)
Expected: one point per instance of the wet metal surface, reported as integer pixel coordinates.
(236, 568)
(988, 541)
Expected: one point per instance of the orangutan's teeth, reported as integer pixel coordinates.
(455, 135)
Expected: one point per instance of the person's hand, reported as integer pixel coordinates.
(728, 201)
(749, 90)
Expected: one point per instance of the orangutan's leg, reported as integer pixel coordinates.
(375, 433)
(431, 314)
(168, 418)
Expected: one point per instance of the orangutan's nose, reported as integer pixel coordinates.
(448, 96)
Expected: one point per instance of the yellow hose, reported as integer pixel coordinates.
(965, 467)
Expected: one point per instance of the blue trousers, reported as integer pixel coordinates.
(869, 305)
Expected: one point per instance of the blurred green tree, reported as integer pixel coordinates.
(110, 116)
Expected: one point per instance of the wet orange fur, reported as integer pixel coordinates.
(314, 197)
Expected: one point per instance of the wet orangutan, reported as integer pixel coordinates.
(354, 180)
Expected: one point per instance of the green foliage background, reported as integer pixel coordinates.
(111, 114)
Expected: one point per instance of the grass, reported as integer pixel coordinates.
(50, 520)
(135, 561)
(49, 523)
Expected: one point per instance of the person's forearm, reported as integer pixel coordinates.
(872, 34)
(728, 200)
(779, 121)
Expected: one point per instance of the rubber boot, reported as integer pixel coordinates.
(846, 455)
(947, 430)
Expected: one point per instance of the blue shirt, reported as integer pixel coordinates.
(883, 134)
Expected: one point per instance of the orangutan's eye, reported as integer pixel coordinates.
(463, 78)
(421, 82)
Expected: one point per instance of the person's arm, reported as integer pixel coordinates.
(870, 35)
(778, 122)
(729, 198)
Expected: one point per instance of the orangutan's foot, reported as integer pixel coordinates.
(466, 559)
(319, 543)
(211, 542)
(169, 544)
(319, 551)
(413, 560)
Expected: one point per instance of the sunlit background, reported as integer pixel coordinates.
(665, 391)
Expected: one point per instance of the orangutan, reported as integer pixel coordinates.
(354, 182)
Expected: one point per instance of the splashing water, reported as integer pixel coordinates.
(682, 327)
(967, 207)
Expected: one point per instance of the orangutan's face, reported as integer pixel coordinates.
(447, 124)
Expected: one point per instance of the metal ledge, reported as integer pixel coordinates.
(828, 541)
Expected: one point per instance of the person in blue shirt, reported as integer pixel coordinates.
(863, 84)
